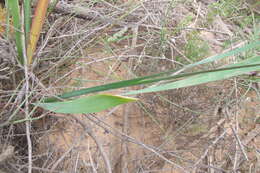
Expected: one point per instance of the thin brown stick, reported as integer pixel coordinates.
(132, 140)
(239, 143)
(124, 143)
(91, 160)
(84, 13)
(64, 155)
(88, 130)
(207, 150)
(27, 116)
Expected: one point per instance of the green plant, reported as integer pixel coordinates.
(174, 81)
(14, 12)
(26, 45)
(195, 48)
(225, 8)
(26, 35)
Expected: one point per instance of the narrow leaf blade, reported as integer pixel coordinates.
(14, 11)
(205, 77)
(27, 18)
(226, 54)
(37, 23)
(90, 104)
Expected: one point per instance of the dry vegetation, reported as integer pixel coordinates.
(211, 128)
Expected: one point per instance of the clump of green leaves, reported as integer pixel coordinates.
(14, 12)
(224, 9)
(231, 10)
(26, 36)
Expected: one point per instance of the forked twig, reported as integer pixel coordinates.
(239, 143)
(55, 165)
(88, 130)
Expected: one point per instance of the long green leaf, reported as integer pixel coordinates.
(27, 19)
(90, 104)
(14, 11)
(226, 54)
(152, 78)
(138, 81)
(243, 67)
(106, 87)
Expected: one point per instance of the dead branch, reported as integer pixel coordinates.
(88, 130)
